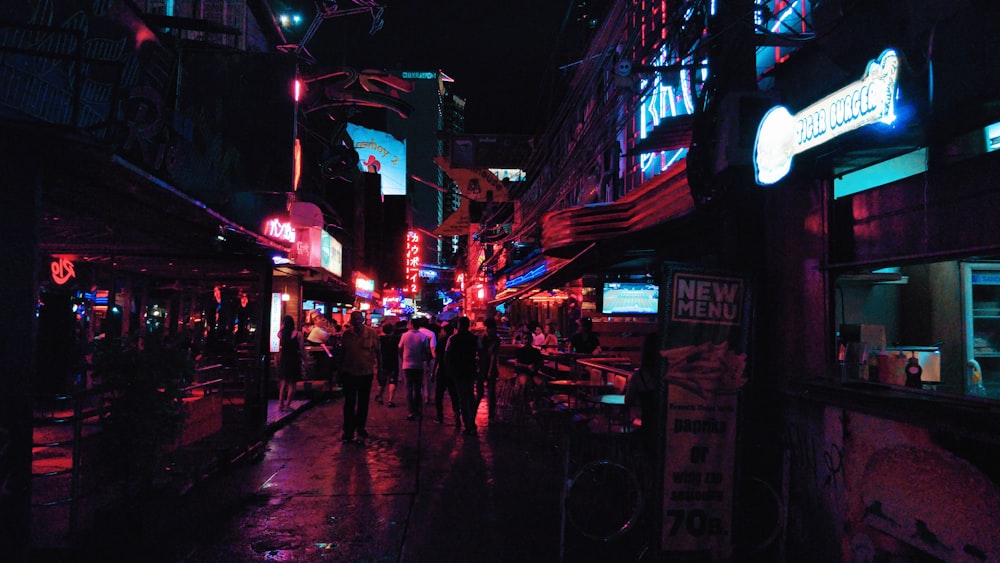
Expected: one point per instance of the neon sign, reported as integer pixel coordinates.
(363, 287)
(274, 338)
(664, 100)
(782, 135)
(526, 277)
(409, 74)
(411, 268)
(280, 230)
(62, 270)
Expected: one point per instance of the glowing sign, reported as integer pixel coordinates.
(383, 154)
(277, 307)
(314, 247)
(532, 274)
(992, 137)
(363, 287)
(411, 268)
(782, 135)
(664, 99)
(62, 270)
(296, 165)
(364, 284)
(409, 74)
(280, 230)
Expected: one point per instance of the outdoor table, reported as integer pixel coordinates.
(614, 404)
(574, 387)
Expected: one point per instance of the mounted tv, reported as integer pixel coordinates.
(629, 298)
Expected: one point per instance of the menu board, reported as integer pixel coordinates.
(704, 315)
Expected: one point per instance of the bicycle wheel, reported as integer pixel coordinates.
(603, 500)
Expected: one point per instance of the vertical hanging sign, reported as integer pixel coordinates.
(412, 267)
(705, 316)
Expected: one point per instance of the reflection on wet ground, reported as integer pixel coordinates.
(413, 491)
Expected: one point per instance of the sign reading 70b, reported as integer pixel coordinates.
(694, 522)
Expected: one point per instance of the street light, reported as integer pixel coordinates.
(288, 20)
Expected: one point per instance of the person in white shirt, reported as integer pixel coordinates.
(414, 352)
(319, 353)
(538, 337)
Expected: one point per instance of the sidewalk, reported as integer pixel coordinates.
(414, 491)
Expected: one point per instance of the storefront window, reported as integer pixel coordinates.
(933, 327)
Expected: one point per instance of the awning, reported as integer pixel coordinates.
(319, 291)
(556, 269)
(664, 198)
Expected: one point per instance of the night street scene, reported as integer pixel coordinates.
(563, 281)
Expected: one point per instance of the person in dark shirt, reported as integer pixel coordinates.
(444, 381)
(388, 373)
(489, 370)
(462, 355)
(585, 341)
(289, 362)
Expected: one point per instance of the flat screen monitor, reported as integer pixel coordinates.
(629, 298)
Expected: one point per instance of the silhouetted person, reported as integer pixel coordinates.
(644, 390)
(289, 362)
(443, 380)
(461, 354)
(489, 370)
(388, 364)
(361, 352)
(585, 341)
(424, 325)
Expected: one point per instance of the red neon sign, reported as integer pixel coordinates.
(62, 269)
(412, 266)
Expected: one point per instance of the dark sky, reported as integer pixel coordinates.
(503, 55)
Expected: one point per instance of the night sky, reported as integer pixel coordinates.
(504, 56)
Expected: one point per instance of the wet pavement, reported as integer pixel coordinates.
(414, 491)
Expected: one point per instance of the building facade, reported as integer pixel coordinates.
(860, 213)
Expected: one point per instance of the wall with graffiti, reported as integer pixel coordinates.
(892, 491)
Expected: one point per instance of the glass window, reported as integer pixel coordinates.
(933, 326)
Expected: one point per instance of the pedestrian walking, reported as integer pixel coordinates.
(489, 369)
(429, 366)
(461, 354)
(361, 355)
(414, 353)
(388, 364)
(443, 380)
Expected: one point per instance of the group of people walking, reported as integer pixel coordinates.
(448, 358)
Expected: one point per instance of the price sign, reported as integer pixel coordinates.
(704, 317)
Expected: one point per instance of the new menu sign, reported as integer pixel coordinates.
(703, 344)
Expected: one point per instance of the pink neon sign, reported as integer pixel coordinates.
(412, 266)
(280, 230)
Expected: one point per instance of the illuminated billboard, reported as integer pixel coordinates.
(382, 154)
(315, 248)
(781, 135)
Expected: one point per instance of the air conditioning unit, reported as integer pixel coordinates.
(737, 117)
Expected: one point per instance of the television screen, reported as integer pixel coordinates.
(629, 298)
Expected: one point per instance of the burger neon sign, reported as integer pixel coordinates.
(782, 135)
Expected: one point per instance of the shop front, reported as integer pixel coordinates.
(883, 340)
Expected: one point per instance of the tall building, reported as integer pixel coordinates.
(438, 113)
